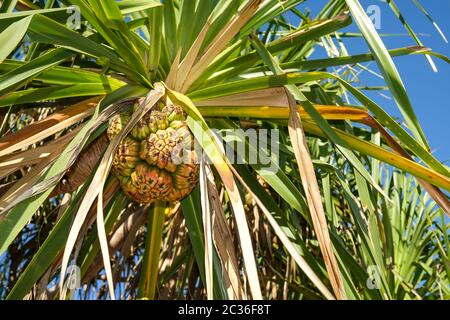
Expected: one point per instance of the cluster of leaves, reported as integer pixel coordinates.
(355, 198)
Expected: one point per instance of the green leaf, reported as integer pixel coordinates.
(12, 36)
(306, 33)
(45, 30)
(57, 14)
(57, 92)
(273, 81)
(130, 6)
(425, 12)
(46, 254)
(298, 65)
(388, 69)
(8, 5)
(106, 17)
(156, 27)
(63, 75)
(193, 215)
(17, 77)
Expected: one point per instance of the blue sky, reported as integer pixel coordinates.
(429, 92)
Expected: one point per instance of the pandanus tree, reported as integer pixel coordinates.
(96, 96)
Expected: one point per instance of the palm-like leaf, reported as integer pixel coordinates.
(372, 195)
